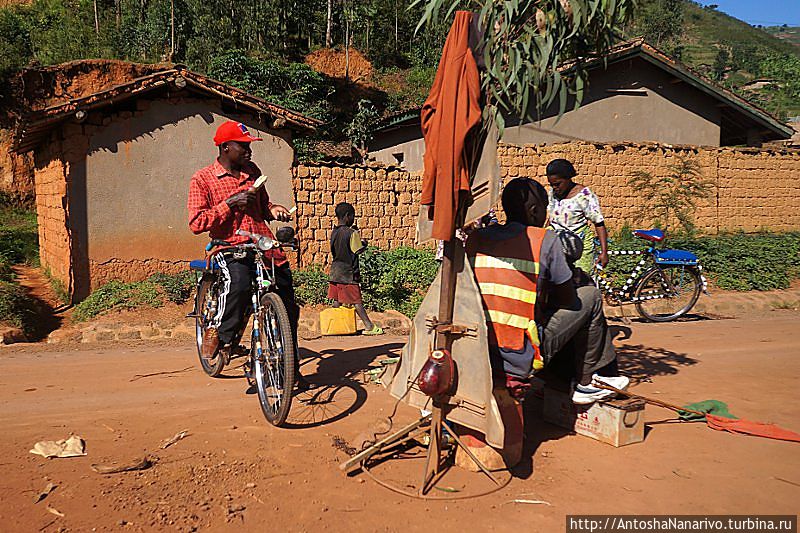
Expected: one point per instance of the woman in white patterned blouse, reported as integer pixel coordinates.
(573, 207)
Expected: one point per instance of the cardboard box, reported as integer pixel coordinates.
(615, 422)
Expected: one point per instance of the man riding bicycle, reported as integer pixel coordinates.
(222, 200)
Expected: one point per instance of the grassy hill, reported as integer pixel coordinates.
(705, 29)
(786, 33)
(731, 51)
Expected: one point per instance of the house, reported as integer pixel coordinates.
(635, 93)
(112, 171)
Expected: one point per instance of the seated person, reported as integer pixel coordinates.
(533, 307)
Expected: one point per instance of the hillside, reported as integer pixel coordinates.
(786, 33)
(705, 29)
(727, 50)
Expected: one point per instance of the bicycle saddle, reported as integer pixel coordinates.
(652, 235)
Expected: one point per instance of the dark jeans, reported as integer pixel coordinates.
(580, 332)
(240, 272)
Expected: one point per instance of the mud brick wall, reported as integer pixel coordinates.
(752, 189)
(16, 171)
(758, 190)
(606, 169)
(51, 212)
(386, 201)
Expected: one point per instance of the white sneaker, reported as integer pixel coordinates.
(618, 382)
(586, 394)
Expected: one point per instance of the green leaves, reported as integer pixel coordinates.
(742, 262)
(359, 131)
(296, 85)
(522, 58)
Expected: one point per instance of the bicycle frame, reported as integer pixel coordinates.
(624, 295)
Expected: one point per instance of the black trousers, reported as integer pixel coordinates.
(578, 337)
(236, 296)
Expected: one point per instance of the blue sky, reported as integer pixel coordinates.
(765, 12)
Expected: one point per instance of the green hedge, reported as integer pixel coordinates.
(743, 262)
(733, 261)
(395, 279)
(155, 291)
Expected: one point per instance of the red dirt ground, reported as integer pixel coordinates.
(235, 472)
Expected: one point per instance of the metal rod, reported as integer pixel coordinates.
(471, 455)
(357, 459)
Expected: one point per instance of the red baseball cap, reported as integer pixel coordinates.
(233, 131)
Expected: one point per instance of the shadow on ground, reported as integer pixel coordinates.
(638, 362)
(338, 389)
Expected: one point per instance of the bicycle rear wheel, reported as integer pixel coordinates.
(667, 293)
(272, 353)
(204, 307)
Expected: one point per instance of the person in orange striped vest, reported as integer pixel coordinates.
(533, 309)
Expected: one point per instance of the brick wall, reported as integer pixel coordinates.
(386, 202)
(51, 213)
(752, 189)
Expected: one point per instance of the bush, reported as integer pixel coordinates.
(743, 262)
(19, 236)
(16, 307)
(737, 261)
(310, 286)
(395, 279)
(155, 291)
(118, 295)
(176, 287)
(6, 273)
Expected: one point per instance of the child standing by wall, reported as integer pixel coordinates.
(346, 245)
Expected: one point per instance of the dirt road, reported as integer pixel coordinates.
(234, 472)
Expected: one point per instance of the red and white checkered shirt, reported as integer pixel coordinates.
(208, 212)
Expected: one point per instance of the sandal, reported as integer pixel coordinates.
(374, 331)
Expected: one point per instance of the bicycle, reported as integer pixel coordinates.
(270, 367)
(665, 291)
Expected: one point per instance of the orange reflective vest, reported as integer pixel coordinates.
(507, 272)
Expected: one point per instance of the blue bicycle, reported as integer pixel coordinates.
(664, 285)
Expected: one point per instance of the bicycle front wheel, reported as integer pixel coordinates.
(667, 293)
(272, 352)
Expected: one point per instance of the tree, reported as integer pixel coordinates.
(359, 131)
(721, 64)
(526, 41)
(663, 21)
(672, 197)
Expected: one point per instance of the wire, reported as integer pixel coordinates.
(390, 418)
(398, 490)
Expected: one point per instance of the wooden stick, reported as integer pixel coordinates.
(648, 400)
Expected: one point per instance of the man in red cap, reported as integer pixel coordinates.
(221, 201)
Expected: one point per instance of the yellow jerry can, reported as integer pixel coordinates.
(337, 321)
